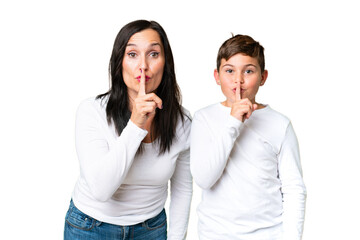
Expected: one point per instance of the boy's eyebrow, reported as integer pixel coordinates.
(230, 65)
(227, 65)
(250, 64)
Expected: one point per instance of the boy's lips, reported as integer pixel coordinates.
(241, 90)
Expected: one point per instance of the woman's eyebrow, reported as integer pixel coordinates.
(152, 44)
(155, 45)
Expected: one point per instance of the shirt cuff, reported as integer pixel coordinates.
(135, 130)
(234, 125)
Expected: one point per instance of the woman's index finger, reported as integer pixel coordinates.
(142, 90)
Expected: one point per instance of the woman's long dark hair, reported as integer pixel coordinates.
(117, 109)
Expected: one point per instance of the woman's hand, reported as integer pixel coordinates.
(144, 105)
(242, 108)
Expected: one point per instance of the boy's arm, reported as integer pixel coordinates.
(209, 151)
(293, 187)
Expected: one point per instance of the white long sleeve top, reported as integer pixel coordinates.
(250, 174)
(118, 186)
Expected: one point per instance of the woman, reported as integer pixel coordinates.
(130, 141)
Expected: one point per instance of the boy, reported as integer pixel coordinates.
(245, 156)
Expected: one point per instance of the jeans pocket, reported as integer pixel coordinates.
(77, 219)
(157, 221)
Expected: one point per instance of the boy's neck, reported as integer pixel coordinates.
(260, 106)
(227, 103)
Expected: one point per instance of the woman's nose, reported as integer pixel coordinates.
(143, 63)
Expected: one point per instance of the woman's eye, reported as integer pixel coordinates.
(154, 54)
(132, 54)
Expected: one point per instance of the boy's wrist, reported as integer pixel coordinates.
(234, 125)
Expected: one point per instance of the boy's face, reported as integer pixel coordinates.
(243, 69)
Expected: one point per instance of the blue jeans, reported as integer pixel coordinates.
(79, 226)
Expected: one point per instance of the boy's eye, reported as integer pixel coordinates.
(249, 71)
(131, 54)
(229, 71)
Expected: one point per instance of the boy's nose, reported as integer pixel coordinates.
(239, 78)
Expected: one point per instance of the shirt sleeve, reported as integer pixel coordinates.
(211, 148)
(293, 187)
(181, 193)
(104, 165)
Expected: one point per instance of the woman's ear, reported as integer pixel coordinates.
(264, 76)
(216, 76)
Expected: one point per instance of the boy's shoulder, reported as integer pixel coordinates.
(213, 109)
(270, 124)
(276, 115)
(210, 108)
(267, 117)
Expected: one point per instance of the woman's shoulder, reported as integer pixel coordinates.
(92, 105)
(98, 102)
(184, 122)
(186, 114)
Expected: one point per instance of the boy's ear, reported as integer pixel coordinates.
(264, 76)
(216, 76)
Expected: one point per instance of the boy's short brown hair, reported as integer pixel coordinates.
(241, 44)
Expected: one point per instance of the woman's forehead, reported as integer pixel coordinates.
(145, 37)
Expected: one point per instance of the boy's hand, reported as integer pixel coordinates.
(242, 108)
(144, 105)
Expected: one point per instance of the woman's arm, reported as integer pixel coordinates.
(293, 187)
(180, 195)
(104, 165)
(210, 148)
(181, 185)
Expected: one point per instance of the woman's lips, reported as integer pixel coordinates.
(147, 78)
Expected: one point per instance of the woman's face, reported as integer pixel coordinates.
(144, 50)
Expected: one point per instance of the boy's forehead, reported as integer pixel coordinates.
(240, 60)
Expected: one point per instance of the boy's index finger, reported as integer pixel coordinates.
(238, 92)
(142, 91)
